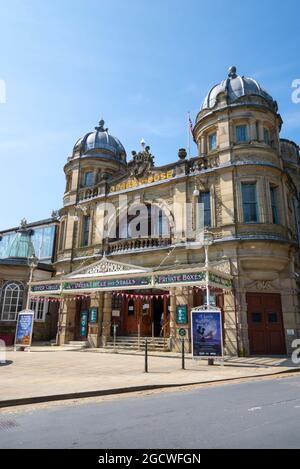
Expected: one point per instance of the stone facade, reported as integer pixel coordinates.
(255, 242)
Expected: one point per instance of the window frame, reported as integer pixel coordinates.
(206, 210)
(19, 301)
(274, 191)
(85, 233)
(266, 131)
(239, 126)
(85, 175)
(210, 136)
(250, 203)
(35, 306)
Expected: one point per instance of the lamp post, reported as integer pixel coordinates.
(32, 264)
(207, 241)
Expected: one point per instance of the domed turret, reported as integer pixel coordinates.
(235, 87)
(100, 144)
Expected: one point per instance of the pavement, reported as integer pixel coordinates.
(54, 373)
(256, 414)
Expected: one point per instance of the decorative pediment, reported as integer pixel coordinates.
(104, 267)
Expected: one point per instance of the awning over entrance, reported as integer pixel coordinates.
(109, 275)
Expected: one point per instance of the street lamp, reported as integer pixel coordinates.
(207, 241)
(32, 264)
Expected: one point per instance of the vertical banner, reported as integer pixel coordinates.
(24, 328)
(93, 315)
(207, 334)
(83, 323)
(181, 314)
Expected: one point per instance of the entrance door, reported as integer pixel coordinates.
(158, 316)
(265, 325)
(130, 317)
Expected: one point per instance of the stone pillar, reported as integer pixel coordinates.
(66, 322)
(253, 132)
(94, 329)
(230, 329)
(203, 149)
(260, 132)
(242, 310)
(106, 323)
(172, 317)
(179, 296)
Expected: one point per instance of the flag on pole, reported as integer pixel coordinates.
(190, 125)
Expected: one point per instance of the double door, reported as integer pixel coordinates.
(265, 324)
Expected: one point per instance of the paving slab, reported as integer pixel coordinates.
(46, 371)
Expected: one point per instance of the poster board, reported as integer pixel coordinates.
(24, 328)
(207, 332)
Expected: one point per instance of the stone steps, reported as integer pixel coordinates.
(132, 343)
(77, 344)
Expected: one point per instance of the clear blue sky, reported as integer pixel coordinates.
(141, 65)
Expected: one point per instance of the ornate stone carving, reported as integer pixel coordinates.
(262, 285)
(222, 266)
(218, 202)
(141, 162)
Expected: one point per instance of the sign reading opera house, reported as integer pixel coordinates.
(135, 262)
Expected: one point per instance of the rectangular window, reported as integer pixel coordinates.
(266, 136)
(204, 198)
(86, 230)
(212, 140)
(249, 203)
(88, 179)
(274, 204)
(40, 309)
(241, 133)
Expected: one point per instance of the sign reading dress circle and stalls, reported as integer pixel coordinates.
(207, 334)
(24, 328)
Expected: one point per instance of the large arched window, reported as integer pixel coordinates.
(152, 222)
(12, 301)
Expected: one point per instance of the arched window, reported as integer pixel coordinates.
(12, 301)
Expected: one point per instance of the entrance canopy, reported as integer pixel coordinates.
(109, 275)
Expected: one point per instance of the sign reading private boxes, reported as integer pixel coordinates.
(207, 337)
(24, 328)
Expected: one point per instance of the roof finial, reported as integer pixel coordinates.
(232, 72)
(100, 127)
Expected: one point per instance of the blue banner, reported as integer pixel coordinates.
(24, 328)
(207, 338)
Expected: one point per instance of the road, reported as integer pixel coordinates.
(258, 414)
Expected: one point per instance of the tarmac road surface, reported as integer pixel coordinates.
(257, 414)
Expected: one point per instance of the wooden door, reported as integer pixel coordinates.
(265, 325)
(131, 322)
(145, 316)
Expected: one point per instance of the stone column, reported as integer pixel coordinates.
(95, 329)
(230, 329)
(241, 306)
(253, 133)
(66, 322)
(183, 297)
(106, 323)
(260, 132)
(172, 317)
(203, 146)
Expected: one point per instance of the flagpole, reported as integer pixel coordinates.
(189, 134)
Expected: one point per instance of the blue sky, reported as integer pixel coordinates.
(140, 65)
